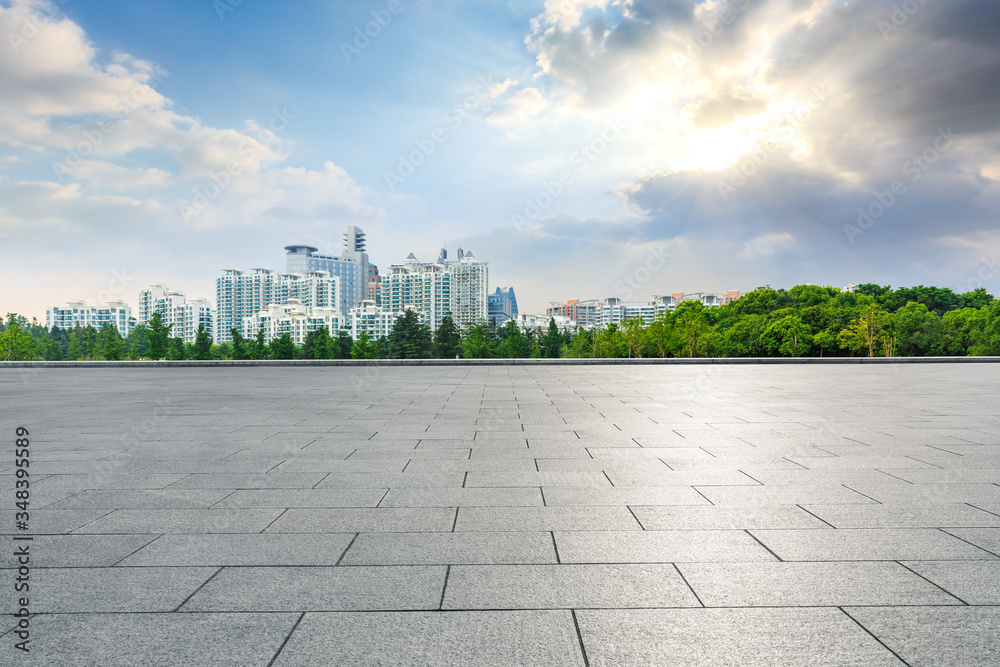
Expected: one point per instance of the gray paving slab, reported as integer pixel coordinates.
(275, 480)
(659, 546)
(364, 480)
(105, 499)
(904, 516)
(711, 637)
(321, 589)
(545, 518)
(974, 582)
(182, 521)
(50, 522)
(465, 548)
(446, 639)
(660, 517)
(936, 636)
(810, 585)
(125, 640)
(478, 497)
(366, 520)
(869, 544)
(566, 586)
(242, 549)
(523, 500)
(287, 498)
(111, 590)
(79, 550)
(626, 495)
(984, 538)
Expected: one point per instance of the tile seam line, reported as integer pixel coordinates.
(873, 636)
(295, 627)
(195, 592)
(933, 583)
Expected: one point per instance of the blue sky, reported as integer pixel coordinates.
(748, 142)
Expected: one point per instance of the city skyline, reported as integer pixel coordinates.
(574, 144)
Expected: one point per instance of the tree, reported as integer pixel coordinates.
(175, 349)
(476, 343)
(743, 338)
(552, 342)
(632, 334)
(410, 339)
(514, 344)
(343, 345)
(202, 345)
(137, 343)
(918, 329)
(239, 349)
(112, 343)
(257, 348)
(978, 298)
(867, 332)
(825, 340)
(318, 344)
(157, 336)
(447, 340)
(364, 348)
(84, 343)
(788, 336)
(282, 347)
(691, 323)
(961, 331)
(16, 344)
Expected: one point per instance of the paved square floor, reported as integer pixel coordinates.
(507, 515)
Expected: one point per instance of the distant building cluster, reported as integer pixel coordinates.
(347, 293)
(612, 310)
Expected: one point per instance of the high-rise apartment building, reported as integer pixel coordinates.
(425, 288)
(293, 318)
(185, 315)
(240, 295)
(372, 320)
(502, 306)
(584, 313)
(374, 284)
(116, 313)
(350, 267)
(435, 289)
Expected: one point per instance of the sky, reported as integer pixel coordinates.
(585, 148)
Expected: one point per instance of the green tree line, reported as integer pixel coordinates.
(806, 320)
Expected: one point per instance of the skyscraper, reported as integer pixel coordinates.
(240, 295)
(435, 289)
(351, 266)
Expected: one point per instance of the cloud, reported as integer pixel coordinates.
(767, 245)
(519, 109)
(105, 175)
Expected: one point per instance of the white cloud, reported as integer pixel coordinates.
(767, 245)
(105, 175)
(519, 109)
